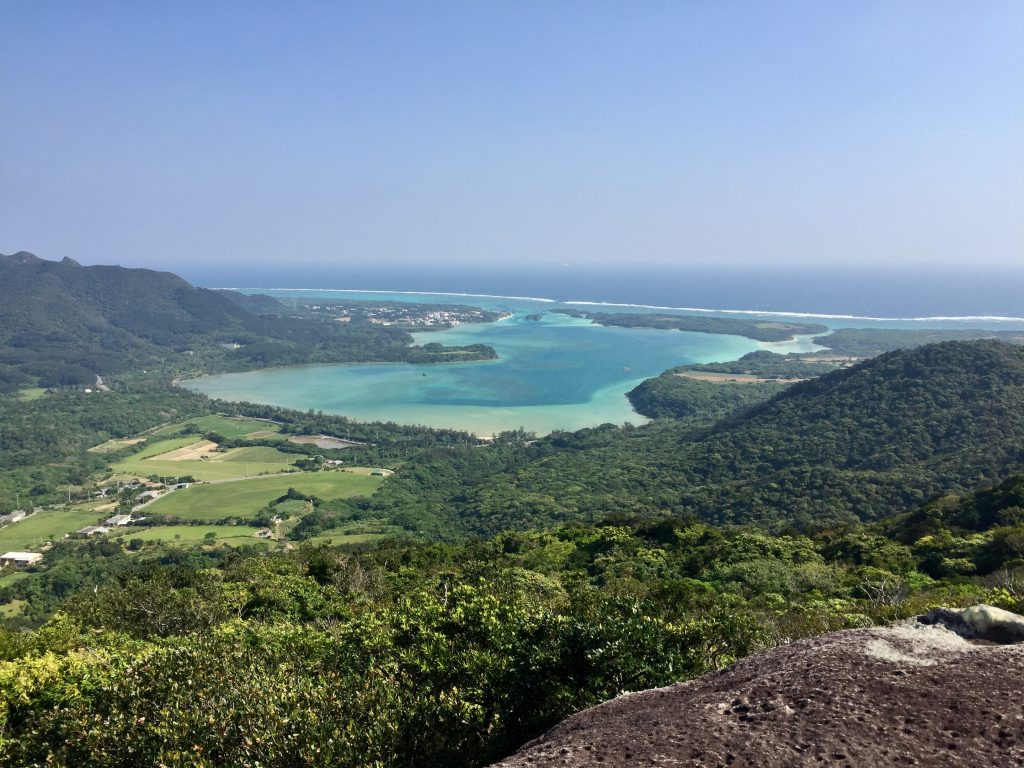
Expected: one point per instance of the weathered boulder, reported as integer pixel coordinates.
(909, 694)
(980, 622)
(992, 623)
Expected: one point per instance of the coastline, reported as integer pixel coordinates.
(552, 380)
(794, 314)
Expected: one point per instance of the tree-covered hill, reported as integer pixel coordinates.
(62, 323)
(867, 442)
(673, 396)
(761, 330)
(868, 342)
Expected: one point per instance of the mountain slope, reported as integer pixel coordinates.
(870, 440)
(865, 443)
(64, 323)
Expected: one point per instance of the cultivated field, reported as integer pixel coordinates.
(244, 498)
(11, 577)
(226, 426)
(232, 429)
(115, 445)
(194, 535)
(342, 539)
(323, 441)
(258, 453)
(48, 525)
(191, 452)
(160, 459)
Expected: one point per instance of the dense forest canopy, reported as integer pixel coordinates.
(861, 443)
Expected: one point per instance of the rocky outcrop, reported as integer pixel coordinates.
(980, 622)
(911, 694)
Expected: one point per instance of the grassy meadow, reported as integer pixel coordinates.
(194, 535)
(234, 464)
(48, 525)
(246, 497)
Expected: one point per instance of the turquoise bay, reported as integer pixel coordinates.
(554, 373)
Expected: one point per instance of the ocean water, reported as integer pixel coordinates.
(556, 373)
(927, 291)
(564, 373)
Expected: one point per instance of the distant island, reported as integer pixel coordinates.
(758, 330)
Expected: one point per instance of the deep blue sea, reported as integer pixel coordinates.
(870, 292)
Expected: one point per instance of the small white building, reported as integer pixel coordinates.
(118, 520)
(92, 530)
(20, 559)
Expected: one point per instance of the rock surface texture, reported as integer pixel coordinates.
(909, 694)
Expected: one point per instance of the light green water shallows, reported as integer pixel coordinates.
(558, 372)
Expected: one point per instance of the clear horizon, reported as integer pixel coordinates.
(322, 136)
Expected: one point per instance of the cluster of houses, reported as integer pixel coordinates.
(110, 522)
(143, 498)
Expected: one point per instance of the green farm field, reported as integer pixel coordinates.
(32, 393)
(235, 464)
(258, 454)
(244, 498)
(161, 446)
(194, 535)
(232, 428)
(48, 525)
(342, 539)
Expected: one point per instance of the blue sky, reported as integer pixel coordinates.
(534, 132)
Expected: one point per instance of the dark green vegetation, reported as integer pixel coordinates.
(44, 442)
(770, 365)
(576, 567)
(860, 443)
(64, 324)
(760, 330)
(673, 396)
(868, 342)
(425, 654)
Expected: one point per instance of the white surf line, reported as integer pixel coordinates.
(775, 313)
(708, 310)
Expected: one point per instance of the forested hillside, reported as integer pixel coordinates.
(62, 323)
(673, 396)
(862, 443)
(761, 330)
(868, 342)
(423, 655)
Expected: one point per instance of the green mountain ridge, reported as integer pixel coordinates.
(62, 323)
(862, 443)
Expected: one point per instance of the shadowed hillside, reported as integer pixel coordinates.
(62, 323)
(865, 443)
